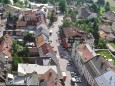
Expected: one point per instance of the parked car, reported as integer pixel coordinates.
(73, 81)
(61, 54)
(72, 74)
(68, 64)
(78, 80)
(50, 32)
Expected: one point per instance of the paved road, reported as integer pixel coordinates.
(57, 47)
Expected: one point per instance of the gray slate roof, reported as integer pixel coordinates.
(41, 29)
(95, 66)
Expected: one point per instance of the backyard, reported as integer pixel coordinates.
(112, 4)
(107, 55)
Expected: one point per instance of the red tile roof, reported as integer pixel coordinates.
(46, 48)
(86, 54)
(5, 45)
(21, 23)
(71, 31)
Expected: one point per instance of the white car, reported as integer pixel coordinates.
(50, 32)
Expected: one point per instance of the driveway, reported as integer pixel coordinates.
(57, 47)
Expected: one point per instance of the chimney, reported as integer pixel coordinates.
(102, 63)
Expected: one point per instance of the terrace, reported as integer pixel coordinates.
(107, 55)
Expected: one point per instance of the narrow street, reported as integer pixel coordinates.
(57, 47)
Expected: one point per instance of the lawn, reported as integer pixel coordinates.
(106, 55)
(112, 8)
(112, 44)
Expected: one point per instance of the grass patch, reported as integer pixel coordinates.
(112, 8)
(106, 55)
(112, 44)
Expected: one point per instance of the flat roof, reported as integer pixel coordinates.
(29, 68)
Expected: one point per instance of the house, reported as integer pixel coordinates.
(43, 10)
(43, 46)
(36, 75)
(41, 29)
(32, 18)
(18, 33)
(113, 27)
(106, 32)
(1, 5)
(21, 24)
(17, 14)
(34, 5)
(30, 79)
(95, 67)
(45, 79)
(89, 64)
(5, 45)
(46, 49)
(11, 24)
(33, 50)
(84, 13)
(110, 15)
(81, 53)
(2, 13)
(71, 34)
(106, 79)
(5, 57)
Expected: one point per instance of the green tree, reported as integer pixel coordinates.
(95, 32)
(102, 43)
(6, 1)
(67, 23)
(32, 0)
(42, 1)
(107, 4)
(25, 2)
(102, 2)
(19, 4)
(72, 14)
(107, 8)
(24, 52)
(52, 2)
(29, 37)
(62, 5)
(16, 1)
(52, 17)
(94, 7)
(16, 60)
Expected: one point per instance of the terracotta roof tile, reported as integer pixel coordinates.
(5, 45)
(46, 48)
(40, 40)
(70, 31)
(85, 52)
